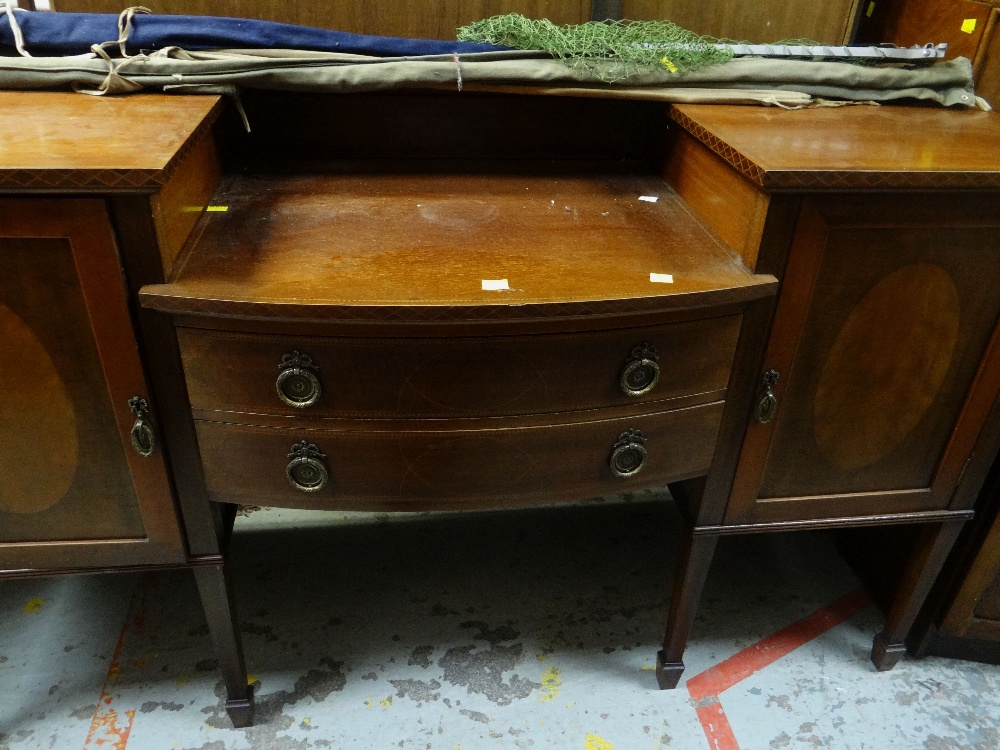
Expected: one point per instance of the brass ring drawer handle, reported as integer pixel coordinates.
(641, 372)
(142, 434)
(767, 403)
(306, 471)
(629, 454)
(297, 384)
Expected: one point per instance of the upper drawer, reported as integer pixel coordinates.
(458, 377)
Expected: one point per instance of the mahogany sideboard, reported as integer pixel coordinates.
(419, 300)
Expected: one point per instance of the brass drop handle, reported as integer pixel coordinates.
(306, 471)
(629, 454)
(641, 372)
(142, 434)
(767, 404)
(297, 384)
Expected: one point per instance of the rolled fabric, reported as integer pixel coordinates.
(75, 33)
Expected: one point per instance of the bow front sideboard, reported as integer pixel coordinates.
(422, 300)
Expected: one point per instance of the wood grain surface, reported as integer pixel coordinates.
(424, 247)
(412, 466)
(958, 23)
(458, 376)
(179, 204)
(68, 141)
(988, 62)
(723, 198)
(877, 407)
(760, 21)
(62, 282)
(852, 147)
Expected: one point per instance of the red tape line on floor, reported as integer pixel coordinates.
(109, 729)
(706, 686)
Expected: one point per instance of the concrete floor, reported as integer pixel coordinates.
(533, 628)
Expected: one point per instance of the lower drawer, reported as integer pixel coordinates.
(412, 469)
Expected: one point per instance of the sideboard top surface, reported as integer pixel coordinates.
(69, 141)
(405, 247)
(855, 147)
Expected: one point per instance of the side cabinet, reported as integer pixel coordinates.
(83, 481)
(867, 395)
(882, 363)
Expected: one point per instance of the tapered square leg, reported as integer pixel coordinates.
(886, 655)
(219, 603)
(668, 674)
(689, 580)
(932, 550)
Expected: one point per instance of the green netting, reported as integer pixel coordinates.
(611, 50)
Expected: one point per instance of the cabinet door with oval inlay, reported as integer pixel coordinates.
(83, 481)
(882, 363)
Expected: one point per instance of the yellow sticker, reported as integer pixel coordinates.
(871, 9)
(969, 25)
(34, 605)
(669, 65)
(216, 208)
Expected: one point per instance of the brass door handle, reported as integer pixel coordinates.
(767, 404)
(142, 434)
(641, 372)
(297, 384)
(629, 454)
(306, 471)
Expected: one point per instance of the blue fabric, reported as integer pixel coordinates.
(74, 33)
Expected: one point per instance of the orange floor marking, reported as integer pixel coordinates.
(105, 731)
(716, 726)
(706, 686)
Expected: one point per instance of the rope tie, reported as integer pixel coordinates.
(8, 7)
(124, 32)
(115, 83)
(458, 69)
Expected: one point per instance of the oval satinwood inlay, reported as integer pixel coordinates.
(886, 365)
(38, 443)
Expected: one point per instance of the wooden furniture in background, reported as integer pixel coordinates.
(97, 196)
(873, 401)
(756, 20)
(330, 336)
(971, 28)
(763, 22)
(74, 491)
(961, 618)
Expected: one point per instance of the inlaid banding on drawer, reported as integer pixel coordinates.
(409, 469)
(465, 376)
